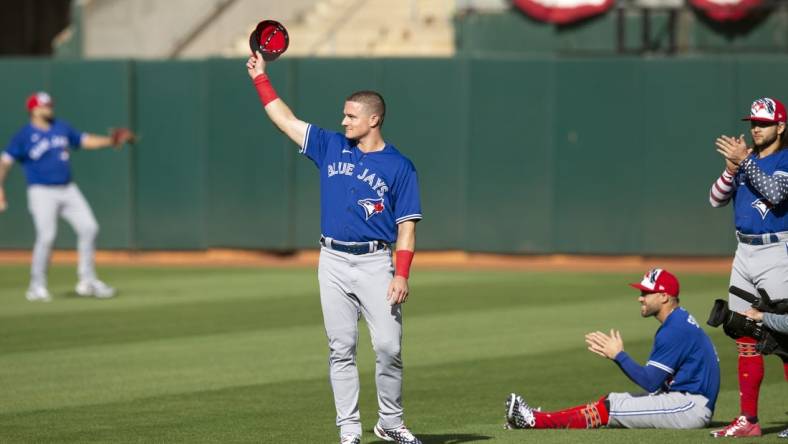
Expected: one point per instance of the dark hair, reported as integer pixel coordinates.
(372, 100)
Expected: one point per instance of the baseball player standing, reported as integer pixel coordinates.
(43, 147)
(757, 180)
(369, 199)
(681, 377)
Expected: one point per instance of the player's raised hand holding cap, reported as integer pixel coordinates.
(255, 66)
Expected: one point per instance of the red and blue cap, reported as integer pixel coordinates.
(767, 109)
(38, 99)
(658, 280)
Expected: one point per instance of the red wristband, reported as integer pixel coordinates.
(264, 89)
(404, 258)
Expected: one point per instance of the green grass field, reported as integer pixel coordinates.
(239, 355)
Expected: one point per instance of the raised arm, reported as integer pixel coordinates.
(722, 189)
(276, 108)
(116, 138)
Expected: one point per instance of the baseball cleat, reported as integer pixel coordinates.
(94, 288)
(38, 293)
(783, 434)
(518, 414)
(740, 427)
(400, 435)
(350, 438)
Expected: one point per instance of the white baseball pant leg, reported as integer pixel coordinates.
(46, 203)
(351, 286)
(761, 266)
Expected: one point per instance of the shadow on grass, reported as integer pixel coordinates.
(454, 438)
(775, 429)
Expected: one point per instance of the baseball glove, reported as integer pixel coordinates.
(120, 136)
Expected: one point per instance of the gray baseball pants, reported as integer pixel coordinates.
(671, 410)
(761, 266)
(46, 203)
(352, 286)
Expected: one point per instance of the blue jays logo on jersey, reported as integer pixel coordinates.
(42, 145)
(763, 206)
(372, 206)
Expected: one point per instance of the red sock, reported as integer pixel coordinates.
(587, 416)
(785, 366)
(785, 370)
(750, 376)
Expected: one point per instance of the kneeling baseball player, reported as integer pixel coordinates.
(681, 378)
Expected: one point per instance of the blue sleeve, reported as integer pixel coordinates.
(74, 137)
(649, 377)
(407, 203)
(16, 148)
(316, 142)
(668, 352)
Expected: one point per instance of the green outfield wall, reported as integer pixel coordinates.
(515, 155)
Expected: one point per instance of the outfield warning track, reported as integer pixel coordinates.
(426, 259)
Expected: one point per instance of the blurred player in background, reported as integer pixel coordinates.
(756, 178)
(681, 378)
(43, 148)
(369, 198)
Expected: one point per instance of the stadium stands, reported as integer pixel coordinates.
(210, 28)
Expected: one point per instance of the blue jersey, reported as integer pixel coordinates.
(363, 196)
(685, 351)
(752, 213)
(44, 154)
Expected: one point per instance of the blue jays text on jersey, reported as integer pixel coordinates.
(753, 214)
(686, 353)
(363, 196)
(44, 154)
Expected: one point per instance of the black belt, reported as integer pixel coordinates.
(353, 247)
(761, 239)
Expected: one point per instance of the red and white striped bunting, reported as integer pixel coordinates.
(563, 11)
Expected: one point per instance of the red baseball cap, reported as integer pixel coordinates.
(767, 110)
(38, 99)
(658, 280)
(270, 38)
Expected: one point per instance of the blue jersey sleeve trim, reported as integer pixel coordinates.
(306, 139)
(409, 217)
(648, 377)
(661, 366)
